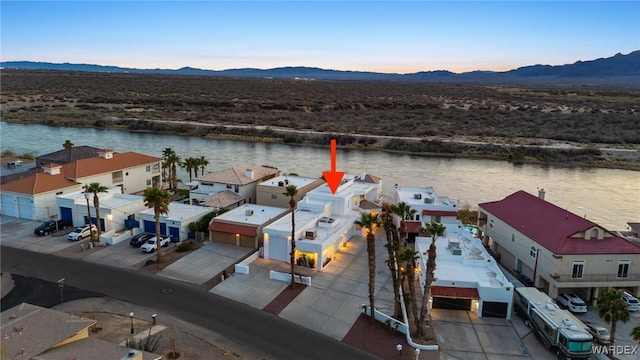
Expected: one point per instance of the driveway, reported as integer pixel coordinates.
(18, 233)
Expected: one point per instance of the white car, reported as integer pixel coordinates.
(572, 302)
(151, 244)
(81, 232)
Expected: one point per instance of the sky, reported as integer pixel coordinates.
(379, 36)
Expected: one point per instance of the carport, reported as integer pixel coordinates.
(453, 298)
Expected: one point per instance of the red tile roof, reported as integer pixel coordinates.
(97, 165)
(455, 292)
(439, 213)
(555, 228)
(246, 230)
(38, 183)
(412, 226)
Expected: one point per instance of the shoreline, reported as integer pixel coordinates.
(630, 161)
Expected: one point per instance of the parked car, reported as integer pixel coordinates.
(632, 302)
(51, 226)
(81, 232)
(600, 333)
(140, 239)
(572, 302)
(151, 244)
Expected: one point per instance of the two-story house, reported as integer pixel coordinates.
(230, 187)
(34, 196)
(428, 206)
(560, 251)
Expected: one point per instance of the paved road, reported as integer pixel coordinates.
(271, 336)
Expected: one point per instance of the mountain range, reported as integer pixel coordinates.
(618, 70)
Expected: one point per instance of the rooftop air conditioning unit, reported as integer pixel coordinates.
(280, 183)
(248, 212)
(311, 234)
(417, 196)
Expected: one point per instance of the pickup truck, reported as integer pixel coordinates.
(51, 226)
(151, 244)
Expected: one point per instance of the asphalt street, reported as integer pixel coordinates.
(270, 336)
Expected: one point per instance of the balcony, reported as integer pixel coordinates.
(595, 278)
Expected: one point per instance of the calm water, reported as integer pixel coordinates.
(608, 197)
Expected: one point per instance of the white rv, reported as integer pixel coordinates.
(558, 329)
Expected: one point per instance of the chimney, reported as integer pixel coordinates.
(105, 154)
(52, 169)
(248, 173)
(541, 194)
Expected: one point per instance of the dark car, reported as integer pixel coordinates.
(51, 226)
(140, 239)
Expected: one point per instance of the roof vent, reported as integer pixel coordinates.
(248, 212)
(417, 196)
(567, 322)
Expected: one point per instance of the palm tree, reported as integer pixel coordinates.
(172, 159)
(436, 230)
(67, 144)
(635, 333)
(612, 308)
(408, 257)
(291, 191)
(369, 222)
(96, 188)
(190, 164)
(202, 162)
(405, 212)
(391, 233)
(159, 200)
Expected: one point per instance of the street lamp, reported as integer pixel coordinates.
(131, 316)
(399, 348)
(87, 195)
(417, 353)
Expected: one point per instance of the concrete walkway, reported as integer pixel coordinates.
(205, 263)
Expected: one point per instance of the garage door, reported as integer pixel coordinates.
(9, 207)
(66, 214)
(26, 208)
(451, 303)
(150, 227)
(494, 309)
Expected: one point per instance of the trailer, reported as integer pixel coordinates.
(559, 330)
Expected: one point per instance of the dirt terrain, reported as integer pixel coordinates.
(566, 125)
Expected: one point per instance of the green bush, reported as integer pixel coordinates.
(186, 246)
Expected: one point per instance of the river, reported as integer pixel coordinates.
(609, 197)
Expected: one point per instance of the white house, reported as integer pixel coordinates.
(241, 180)
(466, 276)
(176, 222)
(243, 226)
(34, 196)
(324, 222)
(429, 207)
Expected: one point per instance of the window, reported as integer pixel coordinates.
(228, 186)
(116, 176)
(578, 268)
(438, 219)
(148, 168)
(417, 217)
(148, 182)
(237, 189)
(513, 237)
(623, 268)
(491, 223)
(533, 252)
(274, 196)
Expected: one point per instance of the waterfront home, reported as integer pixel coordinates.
(559, 251)
(68, 155)
(176, 222)
(243, 225)
(466, 276)
(429, 208)
(271, 192)
(34, 196)
(324, 223)
(241, 180)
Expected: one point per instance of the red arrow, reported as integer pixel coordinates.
(333, 177)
